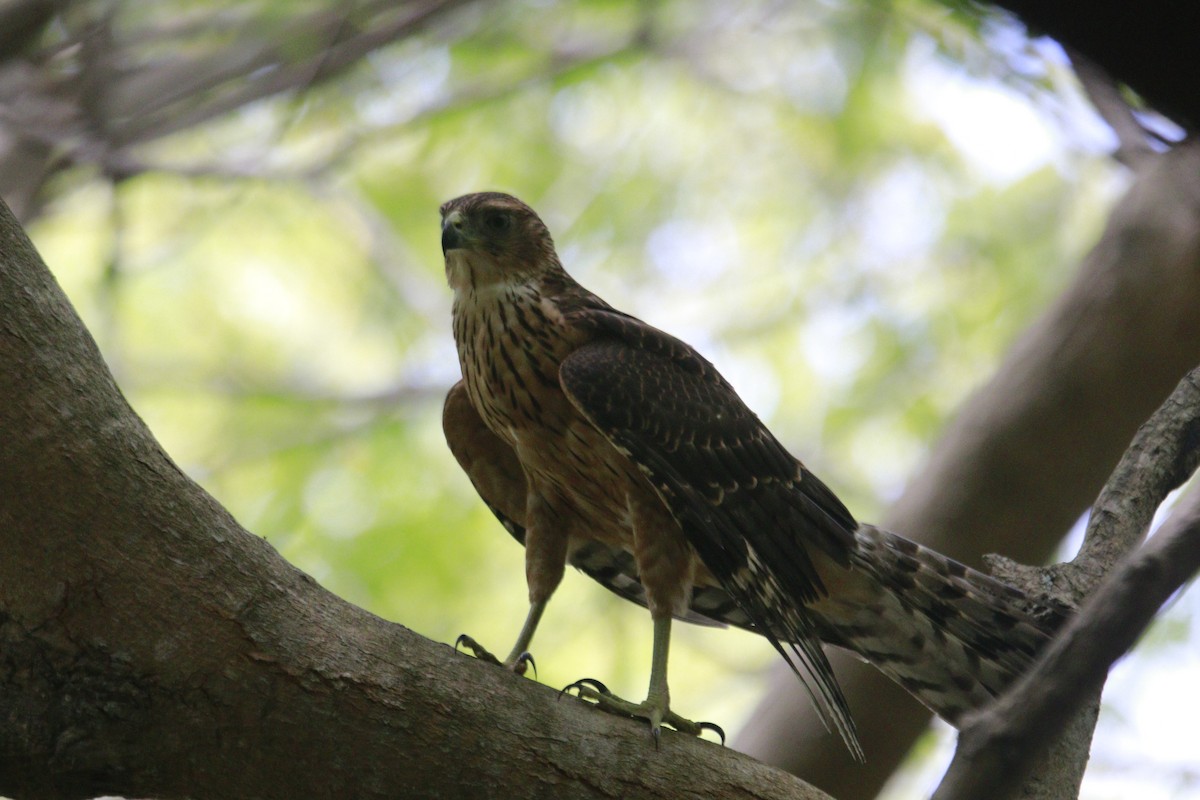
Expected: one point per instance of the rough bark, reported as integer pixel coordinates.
(1029, 450)
(150, 647)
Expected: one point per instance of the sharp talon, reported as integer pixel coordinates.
(656, 732)
(567, 689)
(463, 641)
(522, 660)
(709, 726)
(586, 683)
(590, 683)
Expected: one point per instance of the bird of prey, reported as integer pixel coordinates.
(602, 442)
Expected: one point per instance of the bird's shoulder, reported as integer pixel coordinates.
(618, 330)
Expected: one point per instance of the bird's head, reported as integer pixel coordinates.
(491, 239)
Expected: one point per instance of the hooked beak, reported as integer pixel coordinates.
(452, 233)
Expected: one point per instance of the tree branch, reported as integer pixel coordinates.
(1164, 454)
(998, 746)
(150, 647)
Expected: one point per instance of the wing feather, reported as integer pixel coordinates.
(745, 504)
(489, 461)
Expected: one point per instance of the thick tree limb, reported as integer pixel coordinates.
(1029, 450)
(998, 746)
(150, 647)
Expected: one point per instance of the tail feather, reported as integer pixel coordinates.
(952, 636)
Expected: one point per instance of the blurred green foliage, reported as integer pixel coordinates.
(765, 180)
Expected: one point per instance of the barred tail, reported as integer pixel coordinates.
(952, 636)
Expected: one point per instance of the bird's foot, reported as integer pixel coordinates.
(655, 710)
(518, 662)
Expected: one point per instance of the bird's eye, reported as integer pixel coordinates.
(497, 221)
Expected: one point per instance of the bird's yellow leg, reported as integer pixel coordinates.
(656, 708)
(520, 657)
